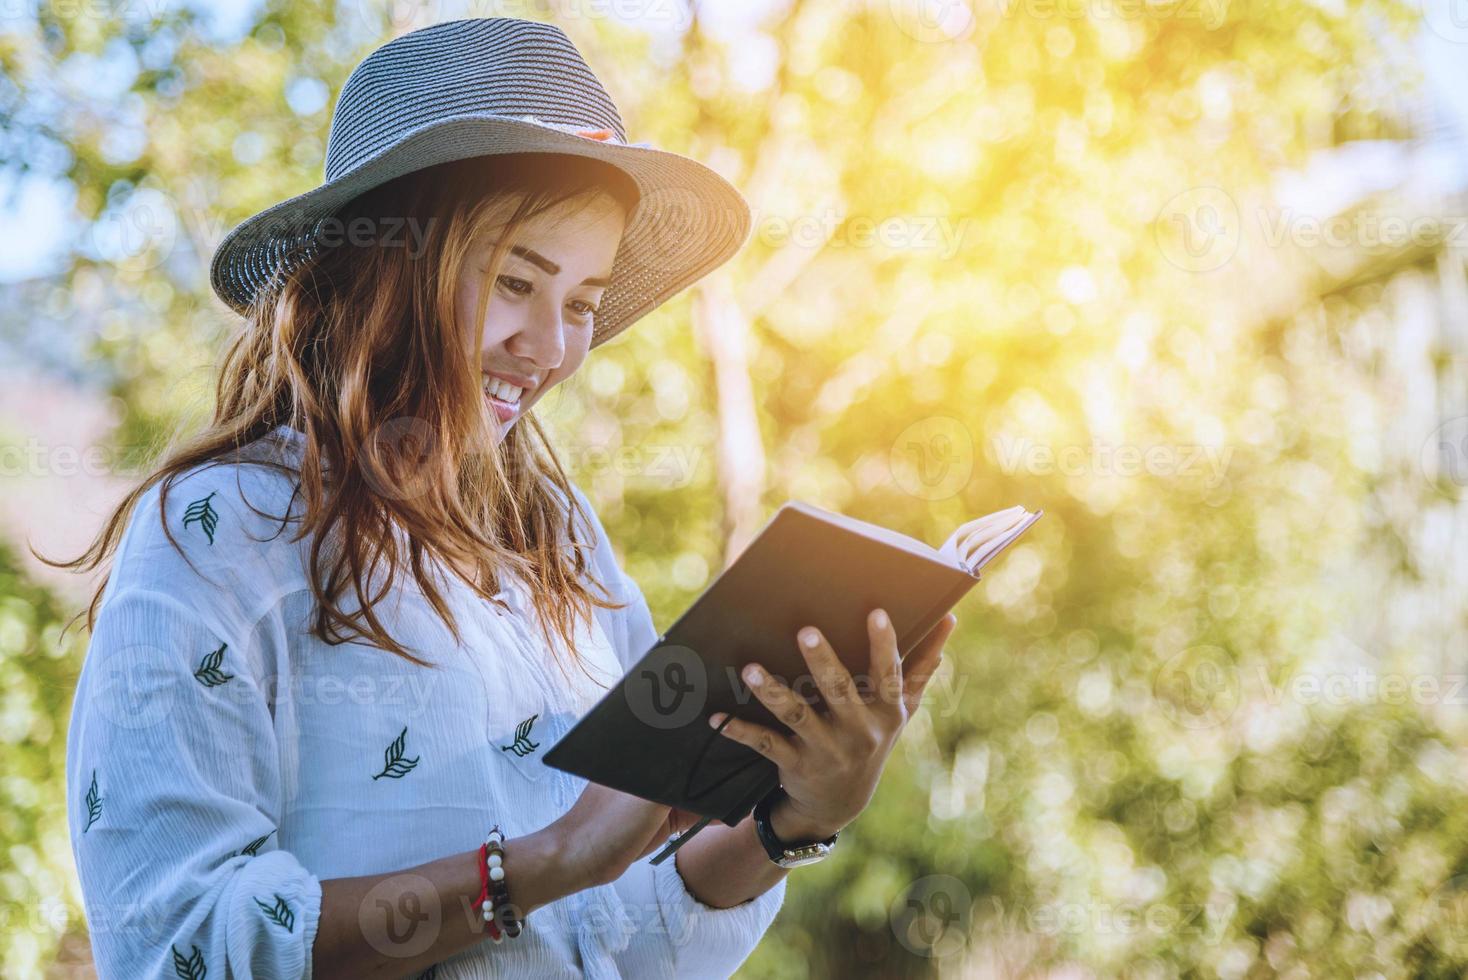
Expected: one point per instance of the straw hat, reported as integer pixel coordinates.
(480, 87)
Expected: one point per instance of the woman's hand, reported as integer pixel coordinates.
(830, 766)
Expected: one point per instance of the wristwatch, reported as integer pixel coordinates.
(787, 855)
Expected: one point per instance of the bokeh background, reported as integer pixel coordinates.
(1191, 275)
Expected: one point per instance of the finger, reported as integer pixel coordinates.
(924, 660)
(886, 664)
(832, 678)
(786, 705)
(778, 748)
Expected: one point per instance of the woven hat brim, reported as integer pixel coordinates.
(689, 221)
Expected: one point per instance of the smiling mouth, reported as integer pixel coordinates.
(503, 397)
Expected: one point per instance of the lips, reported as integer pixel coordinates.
(505, 394)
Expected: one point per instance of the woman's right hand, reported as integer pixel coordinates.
(606, 830)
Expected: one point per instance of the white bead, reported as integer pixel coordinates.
(488, 915)
(497, 874)
(495, 860)
(486, 905)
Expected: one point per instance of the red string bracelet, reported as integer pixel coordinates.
(483, 900)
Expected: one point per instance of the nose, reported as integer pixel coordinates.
(541, 340)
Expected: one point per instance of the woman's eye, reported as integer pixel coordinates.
(522, 288)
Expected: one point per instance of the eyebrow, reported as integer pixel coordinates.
(536, 259)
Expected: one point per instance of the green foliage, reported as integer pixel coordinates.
(38, 889)
(1119, 769)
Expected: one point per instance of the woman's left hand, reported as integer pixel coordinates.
(830, 765)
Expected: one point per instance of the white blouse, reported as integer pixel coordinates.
(222, 761)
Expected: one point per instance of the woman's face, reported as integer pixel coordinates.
(537, 325)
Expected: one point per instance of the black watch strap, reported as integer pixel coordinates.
(773, 845)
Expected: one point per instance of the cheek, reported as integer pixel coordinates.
(563, 374)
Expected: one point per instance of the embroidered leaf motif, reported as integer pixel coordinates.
(522, 746)
(190, 967)
(253, 848)
(394, 764)
(94, 804)
(209, 673)
(280, 913)
(201, 511)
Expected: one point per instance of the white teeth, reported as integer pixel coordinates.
(502, 390)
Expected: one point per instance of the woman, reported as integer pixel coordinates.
(288, 749)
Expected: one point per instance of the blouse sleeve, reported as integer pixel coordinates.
(674, 934)
(172, 768)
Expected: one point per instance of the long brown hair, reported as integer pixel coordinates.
(361, 349)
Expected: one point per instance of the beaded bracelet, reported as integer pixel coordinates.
(483, 900)
(495, 895)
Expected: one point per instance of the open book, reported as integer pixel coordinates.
(972, 546)
(649, 735)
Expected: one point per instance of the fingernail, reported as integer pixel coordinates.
(716, 719)
(880, 619)
(809, 636)
(753, 676)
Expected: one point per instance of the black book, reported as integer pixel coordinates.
(649, 735)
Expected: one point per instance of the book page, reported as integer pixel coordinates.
(976, 542)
